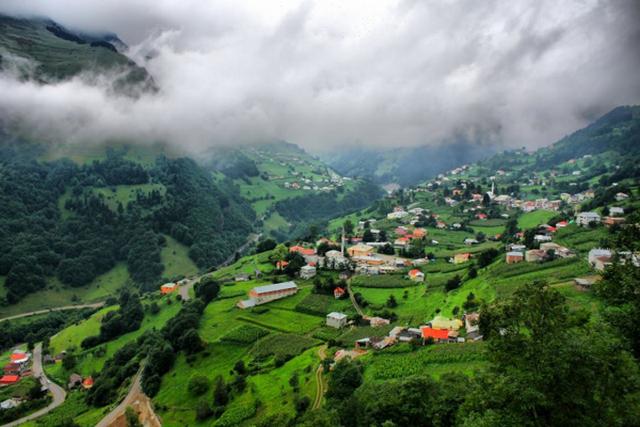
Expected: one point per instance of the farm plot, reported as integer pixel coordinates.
(401, 361)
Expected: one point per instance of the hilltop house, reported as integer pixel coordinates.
(437, 335)
(616, 211)
(470, 242)
(621, 196)
(416, 275)
(74, 381)
(514, 257)
(338, 292)
(460, 258)
(335, 260)
(559, 251)
(307, 272)
(585, 219)
(264, 294)
(535, 255)
(301, 250)
(597, 253)
(360, 250)
(167, 288)
(471, 325)
(336, 320)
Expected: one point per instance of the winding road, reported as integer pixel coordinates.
(57, 392)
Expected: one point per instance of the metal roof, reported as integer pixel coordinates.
(276, 287)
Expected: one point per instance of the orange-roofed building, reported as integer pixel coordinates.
(87, 383)
(438, 335)
(302, 250)
(416, 275)
(19, 358)
(338, 293)
(9, 379)
(167, 288)
(280, 265)
(419, 233)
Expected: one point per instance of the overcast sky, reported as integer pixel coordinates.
(329, 74)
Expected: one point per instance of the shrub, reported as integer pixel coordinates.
(198, 385)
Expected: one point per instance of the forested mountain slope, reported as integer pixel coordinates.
(406, 166)
(47, 52)
(65, 220)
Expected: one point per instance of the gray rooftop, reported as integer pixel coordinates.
(276, 287)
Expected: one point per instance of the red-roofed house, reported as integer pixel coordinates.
(562, 224)
(302, 250)
(438, 335)
(416, 275)
(481, 216)
(401, 231)
(419, 233)
(9, 379)
(19, 357)
(87, 383)
(338, 293)
(280, 265)
(167, 288)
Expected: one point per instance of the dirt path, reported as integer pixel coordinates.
(47, 310)
(353, 299)
(58, 393)
(322, 353)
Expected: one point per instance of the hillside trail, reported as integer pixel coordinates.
(322, 353)
(353, 299)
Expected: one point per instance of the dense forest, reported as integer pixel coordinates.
(90, 236)
(320, 207)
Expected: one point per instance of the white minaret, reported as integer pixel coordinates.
(342, 242)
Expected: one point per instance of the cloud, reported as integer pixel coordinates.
(329, 74)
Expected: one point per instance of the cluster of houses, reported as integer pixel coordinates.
(439, 330)
(17, 367)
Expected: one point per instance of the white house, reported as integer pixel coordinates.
(307, 272)
(336, 320)
(334, 259)
(616, 211)
(586, 218)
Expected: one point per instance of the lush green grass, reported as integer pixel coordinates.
(123, 194)
(534, 218)
(175, 258)
(282, 345)
(75, 408)
(248, 264)
(244, 334)
(383, 281)
(321, 305)
(57, 294)
(90, 363)
(434, 360)
(72, 336)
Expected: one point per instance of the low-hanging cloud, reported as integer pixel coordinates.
(330, 74)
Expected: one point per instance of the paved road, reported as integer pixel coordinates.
(66, 307)
(134, 391)
(57, 392)
(185, 289)
(319, 382)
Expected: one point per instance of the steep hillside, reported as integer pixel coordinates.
(45, 51)
(288, 188)
(405, 166)
(67, 224)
